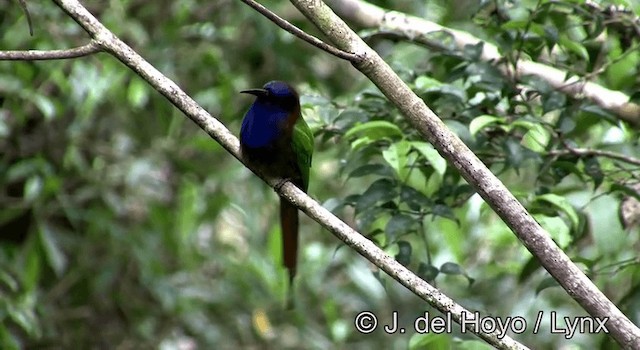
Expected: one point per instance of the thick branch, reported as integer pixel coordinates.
(530, 233)
(418, 29)
(34, 55)
(110, 43)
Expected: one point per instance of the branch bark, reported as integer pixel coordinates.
(282, 23)
(39, 55)
(528, 231)
(23, 5)
(597, 153)
(113, 45)
(417, 30)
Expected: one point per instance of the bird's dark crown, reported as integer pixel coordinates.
(280, 89)
(276, 92)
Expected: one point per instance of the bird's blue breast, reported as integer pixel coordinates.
(262, 125)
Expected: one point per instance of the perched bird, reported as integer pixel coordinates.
(275, 138)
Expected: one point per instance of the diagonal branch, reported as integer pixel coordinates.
(492, 190)
(284, 24)
(35, 55)
(113, 45)
(418, 29)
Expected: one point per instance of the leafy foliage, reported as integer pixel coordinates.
(117, 215)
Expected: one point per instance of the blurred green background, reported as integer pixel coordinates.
(124, 226)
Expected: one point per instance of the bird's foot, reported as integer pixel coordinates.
(281, 183)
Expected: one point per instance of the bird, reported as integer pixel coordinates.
(275, 139)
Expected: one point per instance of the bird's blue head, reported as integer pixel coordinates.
(278, 94)
(272, 115)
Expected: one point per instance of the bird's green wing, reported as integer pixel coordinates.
(302, 139)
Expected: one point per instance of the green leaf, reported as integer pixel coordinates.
(473, 52)
(24, 315)
(380, 190)
(546, 283)
(516, 153)
(138, 93)
(598, 112)
(560, 169)
(524, 124)
(347, 118)
(360, 143)
(626, 190)
(433, 157)
(557, 228)
(55, 257)
(528, 269)
(33, 188)
(398, 225)
(340, 330)
(444, 211)
(592, 168)
(428, 272)
(414, 199)
(537, 138)
(430, 341)
(516, 24)
(433, 184)
(622, 68)
(32, 270)
(371, 169)
(334, 204)
(574, 46)
(473, 345)
(562, 204)
(450, 268)
(417, 178)
(589, 263)
(45, 105)
(9, 340)
(426, 83)
(24, 168)
(374, 130)
(186, 218)
(404, 253)
(8, 281)
(453, 91)
(482, 122)
(396, 157)
(553, 101)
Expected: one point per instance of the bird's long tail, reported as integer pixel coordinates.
(289, 225)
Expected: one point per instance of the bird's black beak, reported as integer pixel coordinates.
(256, 92)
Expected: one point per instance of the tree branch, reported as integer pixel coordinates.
(35, 55)
(595, 152)
(23, 5)
(113, 45)
(492, 190)
(284, 24)
(417, 30)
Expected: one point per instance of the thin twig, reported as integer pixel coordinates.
(38, 55)
(595, 152)
(284, 24)
(23, 4)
